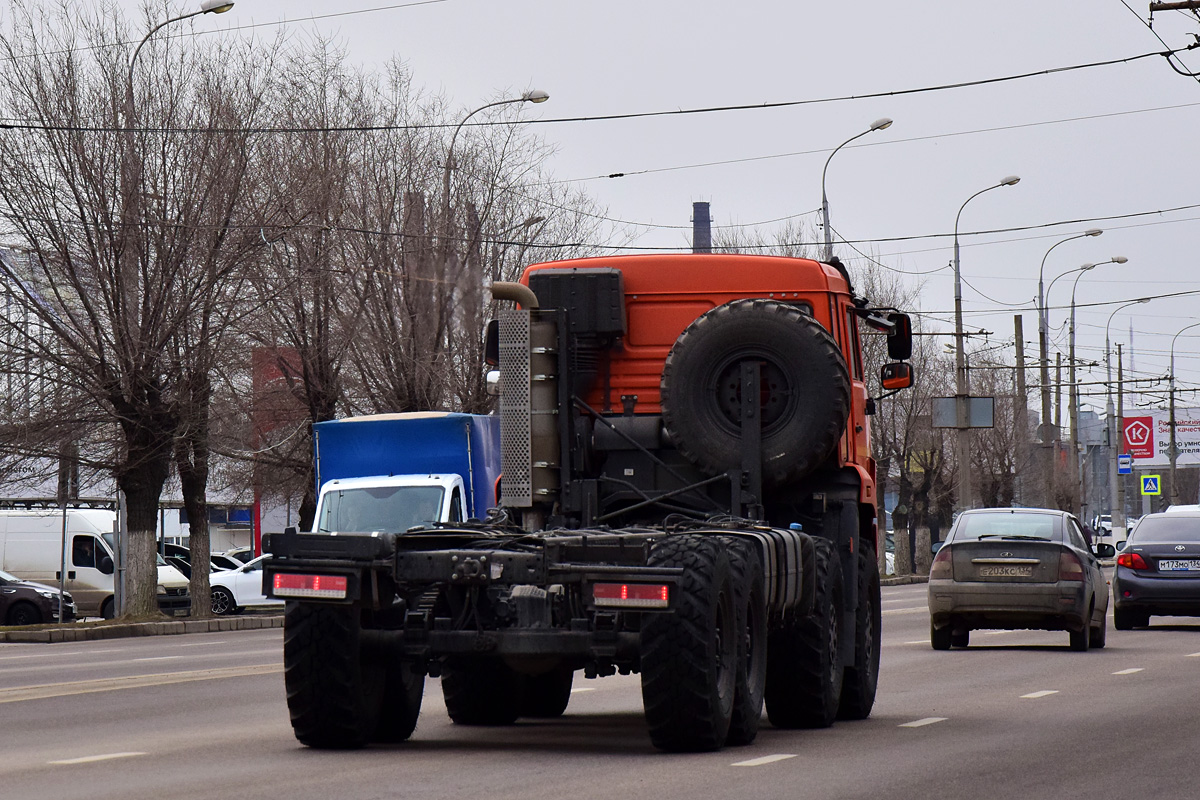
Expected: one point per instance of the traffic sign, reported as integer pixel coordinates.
(1151, 485)
(1124, 464)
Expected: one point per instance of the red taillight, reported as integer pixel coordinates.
(1132, 561)
(943, 568)
(631, 595)
(328, 587)
(1070, 568)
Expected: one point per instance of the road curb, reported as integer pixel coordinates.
(903, 580)
(123, 630)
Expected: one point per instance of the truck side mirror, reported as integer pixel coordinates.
(896, 375)
(105, 565)
(899, 341)
(491, 344)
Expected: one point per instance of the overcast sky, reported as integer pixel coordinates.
(1111, 141)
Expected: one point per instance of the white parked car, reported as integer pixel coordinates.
(236, 589)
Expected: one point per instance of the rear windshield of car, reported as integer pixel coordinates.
(1005, 526)
(1152, 530)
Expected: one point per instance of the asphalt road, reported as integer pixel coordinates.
(1017, 715)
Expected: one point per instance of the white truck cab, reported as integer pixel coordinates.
(389, 503)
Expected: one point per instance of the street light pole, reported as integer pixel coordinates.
(963, 423)
(877, 125)
(1174, 451)
(1073, 395)
(1115, 504)
(532, 96)
(1044, 361)
(131, 216)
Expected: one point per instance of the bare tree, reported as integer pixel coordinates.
(117, 283)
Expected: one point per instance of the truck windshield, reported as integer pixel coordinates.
(392, 509)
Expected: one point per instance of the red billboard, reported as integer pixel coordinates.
(1139, 436)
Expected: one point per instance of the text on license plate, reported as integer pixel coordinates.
(1179, 565)
(1015, 571)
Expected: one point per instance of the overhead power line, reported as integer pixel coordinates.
(607, 117)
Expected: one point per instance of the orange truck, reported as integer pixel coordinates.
(687, 493)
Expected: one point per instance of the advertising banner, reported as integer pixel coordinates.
(1147, 437)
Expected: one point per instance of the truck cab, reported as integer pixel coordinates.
(389, 503)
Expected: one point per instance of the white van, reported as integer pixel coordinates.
(30, 549)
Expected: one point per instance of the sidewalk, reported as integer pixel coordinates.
(89, 631)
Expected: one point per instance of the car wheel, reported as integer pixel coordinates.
(1081, 639)
(960, 638)
(1126, 620)
(108, 609)
(222, 601)
(24, 614)
(940, 638)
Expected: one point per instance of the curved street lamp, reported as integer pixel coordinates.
(1116, 494)
(1043, 345)
(1073, 394)
(962, 442)
(878, 125)
(531, 96)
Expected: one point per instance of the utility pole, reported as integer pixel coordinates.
(1021, 408)
(1057, 400)
(1073, 414)
(1118, 512)
(1186, 5)
(1174, 450)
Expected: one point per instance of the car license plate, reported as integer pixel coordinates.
(1006, 571)
(1179, 565)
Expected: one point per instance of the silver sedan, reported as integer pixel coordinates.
(1018, 568)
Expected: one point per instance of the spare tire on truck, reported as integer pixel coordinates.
(805, 388)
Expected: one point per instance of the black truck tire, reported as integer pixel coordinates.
(805, 388)
(749, 591)
(689, 656)
(861, 680)
(547, 695)
(481, 691)
(333, 701)
(404, 688)
(804, 672)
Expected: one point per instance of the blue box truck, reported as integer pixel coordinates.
(392, 472)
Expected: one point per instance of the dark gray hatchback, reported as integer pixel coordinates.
(1158, 571)
(1010, 569)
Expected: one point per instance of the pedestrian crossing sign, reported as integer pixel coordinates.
(1151, 485)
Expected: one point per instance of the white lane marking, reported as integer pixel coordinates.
(758, 762)
(586, 689)
(918, 641)
(921, 723)
(996, 633)
(202, 644)
(1193, 655)
(157, 658)
(17, 694)
(1036, 695)
(57, 653)
(90, 759)
(1129, 671)
(909, 610)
